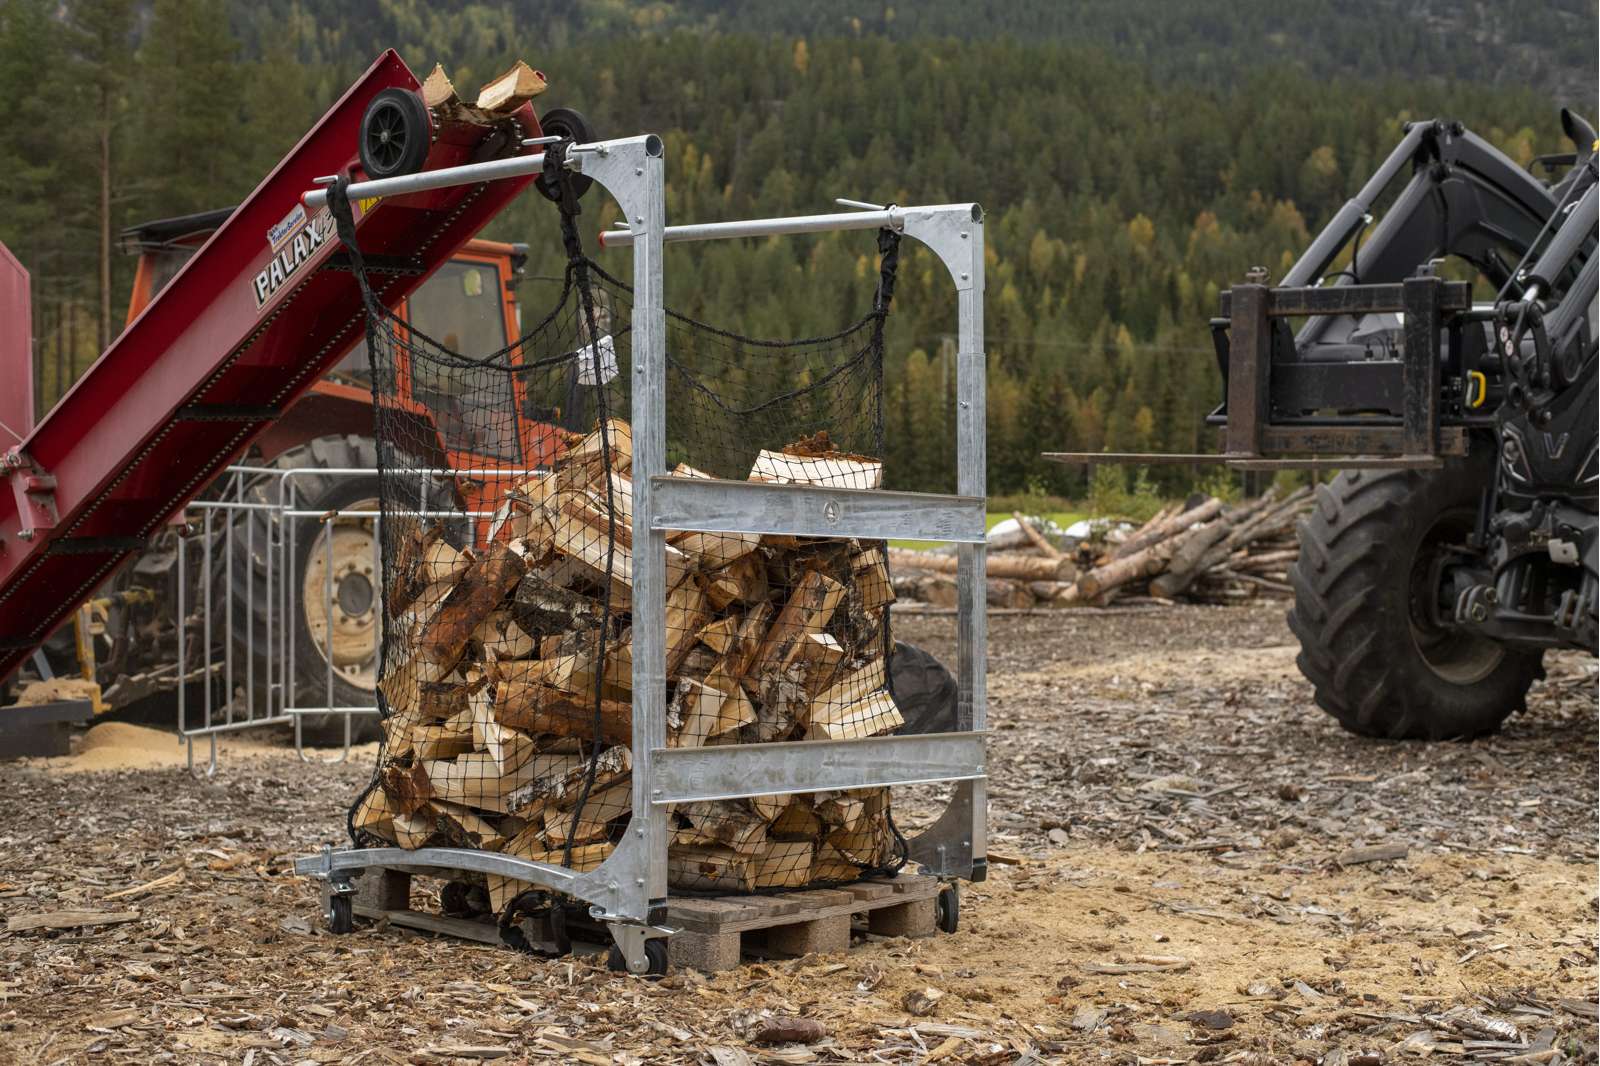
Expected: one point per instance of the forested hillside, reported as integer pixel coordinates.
(1133, 159)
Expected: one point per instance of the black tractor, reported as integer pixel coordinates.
(1457, 542)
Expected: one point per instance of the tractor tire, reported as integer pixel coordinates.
(1365, 608)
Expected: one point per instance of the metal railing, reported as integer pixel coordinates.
(244, 629)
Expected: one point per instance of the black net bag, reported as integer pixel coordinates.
(507, 544)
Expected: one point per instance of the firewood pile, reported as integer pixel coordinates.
(1205, 551)
(508, 724)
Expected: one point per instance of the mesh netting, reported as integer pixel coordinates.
(506, 678)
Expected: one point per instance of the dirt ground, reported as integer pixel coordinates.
(1174, 879)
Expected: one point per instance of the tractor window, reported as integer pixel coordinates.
(460, 307)
(355, 368)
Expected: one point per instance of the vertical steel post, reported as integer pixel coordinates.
(1249, 369)
(1419, 373)
(647, 216)
(957, 843)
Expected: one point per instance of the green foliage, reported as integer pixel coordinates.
(1114, 492)
(1226, 485)
(1133, 157)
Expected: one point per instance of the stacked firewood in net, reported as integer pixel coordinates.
(494, 737)
(1205, 551)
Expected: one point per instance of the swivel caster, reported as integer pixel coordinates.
(947, 908)
(655, 954)
(341, 913)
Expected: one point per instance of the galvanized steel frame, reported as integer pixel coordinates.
(629, 890)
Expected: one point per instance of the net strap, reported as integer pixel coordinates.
(558, 176)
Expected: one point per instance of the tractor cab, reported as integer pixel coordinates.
(468, 305)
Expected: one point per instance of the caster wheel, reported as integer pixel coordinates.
(341, 914)
(396, 134)
(947, 909)
(655, 954)
(567, 123)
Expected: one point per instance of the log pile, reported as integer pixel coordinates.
(1206, 552)
(508, 730)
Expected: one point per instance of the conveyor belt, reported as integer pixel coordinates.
(242, 330)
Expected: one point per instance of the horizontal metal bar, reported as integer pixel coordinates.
(888, 218)
(762, 227)
(692, 775)
(486, 862)
(1288, 438)
(330, 710)
(714, 506)
(1136, 458)
(1343, 462)
(514, 167)
(1351, 299)
(234, 726)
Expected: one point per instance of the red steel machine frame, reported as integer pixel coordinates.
(205, 368)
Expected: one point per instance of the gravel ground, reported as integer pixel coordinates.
(1176, 878)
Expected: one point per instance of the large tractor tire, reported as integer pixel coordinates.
(1366, 608)
(355, 602)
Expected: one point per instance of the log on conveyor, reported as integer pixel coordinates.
(508, 681)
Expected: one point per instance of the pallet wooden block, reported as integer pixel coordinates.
(714, 933)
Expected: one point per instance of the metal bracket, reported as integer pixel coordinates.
(948, 231)
(35, 492)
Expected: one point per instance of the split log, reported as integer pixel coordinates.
(480, 589)
(538, 708)
(832, 472)
(511, 90)
(709, 869)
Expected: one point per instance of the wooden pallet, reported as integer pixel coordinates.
(714, 934)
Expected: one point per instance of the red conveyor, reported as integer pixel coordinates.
(227, 345)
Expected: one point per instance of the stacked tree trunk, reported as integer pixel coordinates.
(1206, 552)
(509, 724)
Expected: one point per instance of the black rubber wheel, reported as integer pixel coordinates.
(1366, 610)
(947, 908)
(924, 691)
(570, 125)
(655, 953)
(341, 914)
(396, 134)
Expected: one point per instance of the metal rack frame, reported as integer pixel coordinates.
(629, 890)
